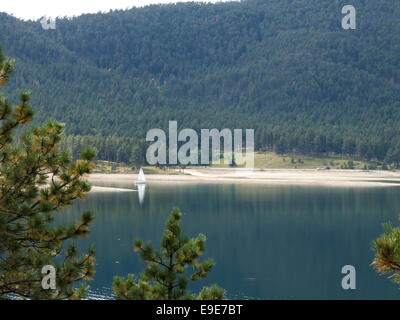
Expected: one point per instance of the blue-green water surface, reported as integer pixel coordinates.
(268, 242)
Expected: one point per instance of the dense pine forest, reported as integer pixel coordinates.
(285, 68)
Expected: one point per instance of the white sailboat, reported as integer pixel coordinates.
(141, 179)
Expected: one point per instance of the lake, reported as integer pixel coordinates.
(268, 242)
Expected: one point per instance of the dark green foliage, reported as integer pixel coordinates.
(111, 148)
(6, 68)
(138, 154)
(166, 275)
(37, 180)
(387, 252)
(285, 68)
(350, 164)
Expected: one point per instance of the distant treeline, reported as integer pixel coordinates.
(329, 142)
(306, 142)
(112, 148)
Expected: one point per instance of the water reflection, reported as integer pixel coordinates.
(141, 192)
(269, 242)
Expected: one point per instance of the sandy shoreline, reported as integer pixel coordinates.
(333, 178)
(109, 189)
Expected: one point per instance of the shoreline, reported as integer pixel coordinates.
(109, 189)
(305, 177)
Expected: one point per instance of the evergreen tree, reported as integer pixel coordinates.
(6, 68)
(36, 180)
(138, 154)
(387, 252)
(165, 276)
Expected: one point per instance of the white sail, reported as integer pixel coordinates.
(141, 177)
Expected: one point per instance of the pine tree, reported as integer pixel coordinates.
(165, 276)
(6, 68)
(387, 252)
(138, 154)
(36, 180)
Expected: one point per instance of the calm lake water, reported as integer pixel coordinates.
(268, 242)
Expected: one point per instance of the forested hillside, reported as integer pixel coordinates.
(283, 67)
